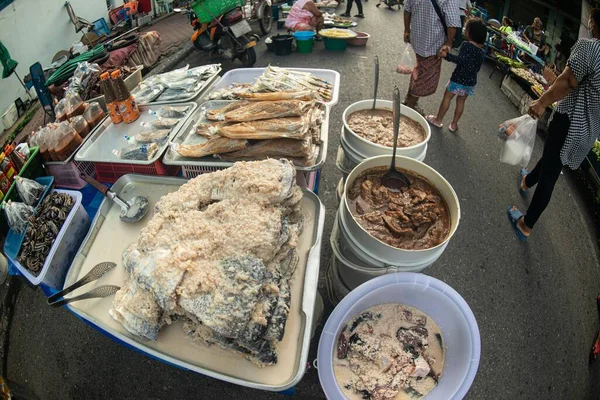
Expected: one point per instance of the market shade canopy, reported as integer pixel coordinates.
(8, 64)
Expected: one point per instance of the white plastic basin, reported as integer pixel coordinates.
(369, 149)
(382, 252)
(460, 333)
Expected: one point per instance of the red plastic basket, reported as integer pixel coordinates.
(67, 175)
(109, 173)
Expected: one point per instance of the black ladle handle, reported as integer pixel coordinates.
(396, 111)
(376, 81)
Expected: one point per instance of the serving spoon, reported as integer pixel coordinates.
(395, 180)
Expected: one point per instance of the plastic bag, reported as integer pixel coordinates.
(518, 147)
(17, 215)
(161, 123)
(159, 136)
(146, 93)
(171, 112)
(407, 61)
(29, 190)
(139, 152)
(94, 114)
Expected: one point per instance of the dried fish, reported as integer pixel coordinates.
(215, 145)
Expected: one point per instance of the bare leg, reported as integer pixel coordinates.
(410, 100)
(444, 106)
(460, 107)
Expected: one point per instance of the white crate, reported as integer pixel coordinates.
(303, 179)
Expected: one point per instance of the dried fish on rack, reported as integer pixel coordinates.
(268, 109)
(305, 95)
(208, 130)
(219, 113)
(275, 148)
(290, 127)
(214, 145)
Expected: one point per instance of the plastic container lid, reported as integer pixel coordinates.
(460, 332)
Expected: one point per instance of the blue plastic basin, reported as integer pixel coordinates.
(304, 35)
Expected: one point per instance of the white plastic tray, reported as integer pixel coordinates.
(187, 136)
(65, 246)
(248, 75)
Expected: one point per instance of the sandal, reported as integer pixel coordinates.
(514, 215)
(522, 174)
(453, 127)
(431, 119)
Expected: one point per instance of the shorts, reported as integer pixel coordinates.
(460, 90)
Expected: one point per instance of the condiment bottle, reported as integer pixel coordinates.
(7, 167)
(5, 184)
(110, 99)
(14, 156)
(127, 106)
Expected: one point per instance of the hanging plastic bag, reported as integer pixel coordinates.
(17, 215)
(520, 140)
(29, 190)
(407, 61)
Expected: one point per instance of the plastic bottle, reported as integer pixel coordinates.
(109, 98)
(127, 106)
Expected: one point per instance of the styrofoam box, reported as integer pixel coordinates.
(248, 75)
(65, 246)
(10, 116)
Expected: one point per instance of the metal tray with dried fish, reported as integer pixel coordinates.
(188, 136)
(109, 237)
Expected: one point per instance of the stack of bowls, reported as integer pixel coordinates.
(354, 148)
(359, 256)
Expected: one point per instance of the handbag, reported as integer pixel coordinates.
(438, 11)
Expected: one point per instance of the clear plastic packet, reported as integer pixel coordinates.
(161, 123)
(18, 215)
(138, 152)
(29, 190)
(80, 125)
(146, 93)
(175, 95)
(518, 147)
(75, 106)
(67, 141)
(94, 114)
(60, 110)
(407, 61)
(159, 136)
(171, 111)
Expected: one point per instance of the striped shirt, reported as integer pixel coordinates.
(582, 104)
(427, 34)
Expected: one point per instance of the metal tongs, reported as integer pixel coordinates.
(101, 291)
(376, 81)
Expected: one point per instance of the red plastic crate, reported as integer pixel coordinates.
(67, 175)
(109, 172)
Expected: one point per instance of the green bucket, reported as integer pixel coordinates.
(335, 44)
(305, 46)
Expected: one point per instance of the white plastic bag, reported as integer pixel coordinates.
(520, 140)
(407, 61)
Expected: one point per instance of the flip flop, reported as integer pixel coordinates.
(451, 129)
(431, 120)
(514, 216)
(522, 173)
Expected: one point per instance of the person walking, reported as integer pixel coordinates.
(573, 129)
(429, 26)
(464, 78)
(465, 12)
(349, 8)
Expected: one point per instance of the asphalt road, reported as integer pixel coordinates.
(534, 302)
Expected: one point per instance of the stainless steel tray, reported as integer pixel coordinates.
(107, 239)
(187, 136)
(85, 139)
(206, 86)
(108, 137)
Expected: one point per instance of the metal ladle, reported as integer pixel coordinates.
(376, 81)
(395, 180)
(131, 211)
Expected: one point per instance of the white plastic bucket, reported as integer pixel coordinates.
(339, 191)
(439, 301)
(336, 289)
(65, 246)
(352, 272)
(381, 252)
(349, 157)
(368, 149)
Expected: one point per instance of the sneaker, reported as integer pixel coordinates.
(377, 5)
(345, 15)
(360, 15)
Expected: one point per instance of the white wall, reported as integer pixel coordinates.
(35, 30)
